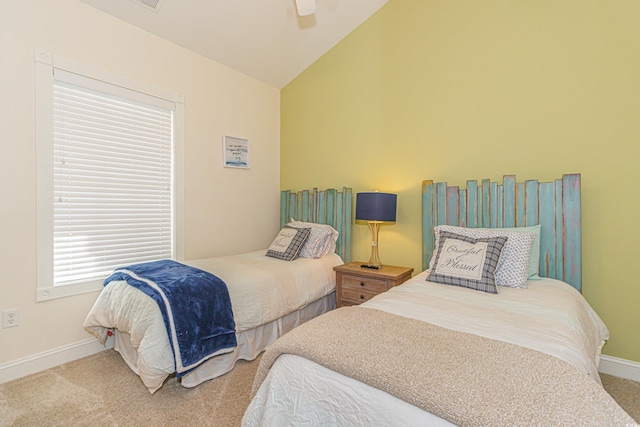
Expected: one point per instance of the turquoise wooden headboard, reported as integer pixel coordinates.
(329, 206)
(553, 205)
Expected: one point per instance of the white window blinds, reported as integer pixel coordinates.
(112, 178)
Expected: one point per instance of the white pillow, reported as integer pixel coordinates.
(321, 241)
(534, 259)
(513, 267)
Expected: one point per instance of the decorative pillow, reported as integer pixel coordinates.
(467, 262)
(534, 258)
(513, 268)
(321, 241)
(287, 244)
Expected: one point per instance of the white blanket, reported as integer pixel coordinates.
(261, 289)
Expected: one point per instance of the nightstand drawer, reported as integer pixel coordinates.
(358, 284)
(355, 285)
(357, 296)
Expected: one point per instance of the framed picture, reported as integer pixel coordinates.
(235, 152)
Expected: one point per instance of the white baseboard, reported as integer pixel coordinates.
(39, 362)
(51, 358)
(619, 367)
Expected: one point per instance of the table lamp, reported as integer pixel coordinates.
(375, 208)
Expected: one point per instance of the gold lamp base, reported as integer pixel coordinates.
(374, 260)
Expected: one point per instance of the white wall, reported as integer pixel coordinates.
(226, 210)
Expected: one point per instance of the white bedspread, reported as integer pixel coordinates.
(299, 392)
(261, 289)
(550, 316)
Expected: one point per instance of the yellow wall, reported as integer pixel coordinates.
(456, 90)
(219, 217)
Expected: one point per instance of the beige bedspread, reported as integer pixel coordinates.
(463, 378)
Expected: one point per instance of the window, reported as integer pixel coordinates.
(106, 155)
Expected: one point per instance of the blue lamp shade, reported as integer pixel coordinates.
(376, 206)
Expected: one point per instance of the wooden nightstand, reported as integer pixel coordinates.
(355, 285)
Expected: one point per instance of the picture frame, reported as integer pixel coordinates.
(235, 152)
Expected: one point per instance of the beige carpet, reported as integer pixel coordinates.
(100, 390)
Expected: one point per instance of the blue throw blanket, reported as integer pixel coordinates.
(195, 306)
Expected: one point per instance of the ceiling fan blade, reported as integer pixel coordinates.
(306, 7)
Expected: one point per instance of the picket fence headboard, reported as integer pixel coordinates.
(554, 205)
(328, 206)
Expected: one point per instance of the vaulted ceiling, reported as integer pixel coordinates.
(265, 39)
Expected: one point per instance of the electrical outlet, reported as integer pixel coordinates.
(10, 318)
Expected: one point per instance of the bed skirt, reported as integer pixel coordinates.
(250, 343)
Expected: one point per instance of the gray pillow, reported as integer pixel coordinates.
(467, 262)
(287, 244)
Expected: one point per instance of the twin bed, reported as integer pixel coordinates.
(269, 296)
(444, 350)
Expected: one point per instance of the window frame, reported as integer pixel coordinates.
(45, 63)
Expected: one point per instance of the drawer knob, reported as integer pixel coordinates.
(361, 296)
(361, 283)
